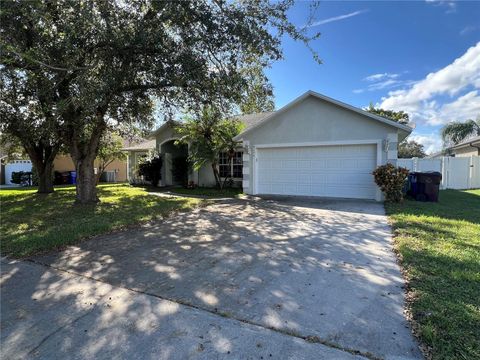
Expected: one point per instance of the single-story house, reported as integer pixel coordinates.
(313, 146)
(135, 155)
(466, 148)
(116, 171)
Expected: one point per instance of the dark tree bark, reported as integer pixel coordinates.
(42, 158)
(83, 154)
(216, 174)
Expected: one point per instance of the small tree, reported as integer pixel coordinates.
(409, 149)
(151, 170)
(391, 180)
(110, 150)
(208, 135)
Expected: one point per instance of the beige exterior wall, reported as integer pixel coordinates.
(204, 176)
(466, 152)
(64, 163)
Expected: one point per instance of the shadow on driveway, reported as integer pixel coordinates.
(314, 269)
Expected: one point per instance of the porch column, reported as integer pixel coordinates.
(246, 182)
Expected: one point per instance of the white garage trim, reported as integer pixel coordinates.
(377, 143)
(320, 143)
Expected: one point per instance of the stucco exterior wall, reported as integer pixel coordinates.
(204, 177)
(312, 121)
(466, 152)
(63, 163)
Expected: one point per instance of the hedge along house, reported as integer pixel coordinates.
(313, 146)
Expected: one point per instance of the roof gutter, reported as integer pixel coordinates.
(475, 146)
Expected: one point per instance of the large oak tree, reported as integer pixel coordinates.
(105, 61)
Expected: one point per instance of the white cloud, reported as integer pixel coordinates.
(468, 29)
(449, 4)
(378, 77)
(421, 100)
(432, 142)
(382, 81)
(336, 18)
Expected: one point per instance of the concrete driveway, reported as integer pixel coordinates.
(241, 279)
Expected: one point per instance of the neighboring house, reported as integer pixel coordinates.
(466, 148)
(116, 171)
(135, 155)
(12, 166)
(313, 146)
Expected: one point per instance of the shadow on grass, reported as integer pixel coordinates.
(34, 223)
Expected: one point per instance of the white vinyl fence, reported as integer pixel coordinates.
(457, 172)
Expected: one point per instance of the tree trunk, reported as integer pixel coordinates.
(216, 175)
(45, 180)
(86, 182)
(42, 158)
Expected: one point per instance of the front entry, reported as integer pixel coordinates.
(173, 163)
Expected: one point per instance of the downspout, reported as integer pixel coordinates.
(476, 147)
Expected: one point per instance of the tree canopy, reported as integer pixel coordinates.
(102, 63)
(455, 132)
(410, 149)
(398, 116)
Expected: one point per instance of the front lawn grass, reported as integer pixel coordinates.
(208, 192)
(439, 247)
(32, 223)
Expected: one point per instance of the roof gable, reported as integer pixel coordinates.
(405, 128)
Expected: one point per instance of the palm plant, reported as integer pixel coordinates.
(455, 132)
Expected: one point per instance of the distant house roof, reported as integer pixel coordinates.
(467, 142)
(250, 120)
(145, 145)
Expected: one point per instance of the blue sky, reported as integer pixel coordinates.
(422, 57)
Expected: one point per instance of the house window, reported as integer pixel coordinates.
(232, 168)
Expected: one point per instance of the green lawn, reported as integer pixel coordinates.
(208, 192)
(439, 246)
(32, 223)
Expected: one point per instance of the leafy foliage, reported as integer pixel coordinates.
(102, 64)
(28, 124)
(410, 149)
(259, 93)
(208, 135)
(151, 170)
(455, 132)
(391, 180)
(110, 149)
(398, 116)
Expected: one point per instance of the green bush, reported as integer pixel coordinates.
(391, 180)
(23, 178)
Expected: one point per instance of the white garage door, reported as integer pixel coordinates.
(331, 171)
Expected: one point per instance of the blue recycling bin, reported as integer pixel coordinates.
(73, 177)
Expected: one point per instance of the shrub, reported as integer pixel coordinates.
(150, 169)
(391, 180)
(23, 178)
